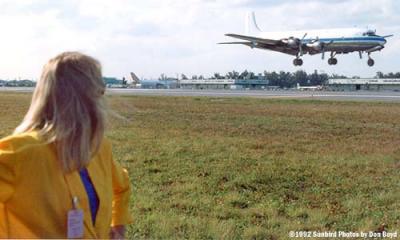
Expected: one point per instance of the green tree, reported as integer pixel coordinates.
(300, 77)
(379, 74)
(285, 80)
(314, 79)
(232, 75)
(244, 74)
(272, 77)
(218, 76)
(337, 76)
(183, 77)
(250, 75)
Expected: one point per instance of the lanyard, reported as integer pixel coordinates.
(74, 216)
(74, 198)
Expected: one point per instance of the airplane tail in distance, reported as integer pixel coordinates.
(251, 24)
(135, 79)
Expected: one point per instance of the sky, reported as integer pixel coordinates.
(172, 37)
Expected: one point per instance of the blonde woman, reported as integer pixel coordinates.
(57, 175)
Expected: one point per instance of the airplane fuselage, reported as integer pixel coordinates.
(350, 44)
(339, 40)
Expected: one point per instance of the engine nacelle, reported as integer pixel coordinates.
(291, 42)
(317, 45)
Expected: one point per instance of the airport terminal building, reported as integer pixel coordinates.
(371, 84)
(158, 84)
(224, 84)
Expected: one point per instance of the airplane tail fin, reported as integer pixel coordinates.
(135, 79)
(251, 24)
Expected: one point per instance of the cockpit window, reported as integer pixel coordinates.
(370, 33)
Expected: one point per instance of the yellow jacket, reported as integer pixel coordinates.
(35, 195)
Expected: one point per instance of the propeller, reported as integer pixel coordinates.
(301, 44)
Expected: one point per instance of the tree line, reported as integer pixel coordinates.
(387, 75)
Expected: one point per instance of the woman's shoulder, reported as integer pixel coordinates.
(105, 146)
(20, 140)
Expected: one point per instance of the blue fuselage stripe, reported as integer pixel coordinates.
(377, 40)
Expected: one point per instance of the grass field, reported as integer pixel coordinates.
(241, 168)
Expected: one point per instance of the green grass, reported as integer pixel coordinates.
(233, 168)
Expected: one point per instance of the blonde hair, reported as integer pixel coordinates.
(67, 108)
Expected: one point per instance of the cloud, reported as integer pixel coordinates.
(173, 36)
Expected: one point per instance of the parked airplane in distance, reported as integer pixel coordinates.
(135, 79)
(312, 88)
(153, 83)
(298, 43)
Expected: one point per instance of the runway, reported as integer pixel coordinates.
(388, 96)
(288, 94)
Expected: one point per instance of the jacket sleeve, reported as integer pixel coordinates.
(121, 195)
(7, 170)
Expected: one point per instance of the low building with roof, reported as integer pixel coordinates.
(367, 84)
(158, 84)
(224, 83)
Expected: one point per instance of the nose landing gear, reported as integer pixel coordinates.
(370, 61)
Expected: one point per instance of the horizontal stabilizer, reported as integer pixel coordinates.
(388, 36)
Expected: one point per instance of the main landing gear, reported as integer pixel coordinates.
(332, 60)
(297, 62)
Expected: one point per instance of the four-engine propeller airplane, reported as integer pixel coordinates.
(298, 43)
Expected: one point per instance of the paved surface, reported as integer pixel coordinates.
(290, 94)
(388, 96)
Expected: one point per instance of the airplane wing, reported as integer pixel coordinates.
(254, 39)
(262, 43)
(243, 43)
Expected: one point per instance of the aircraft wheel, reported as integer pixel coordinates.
(297, 62)
(371, 62)
(332, 61)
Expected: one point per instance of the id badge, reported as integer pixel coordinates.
(75, 223)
